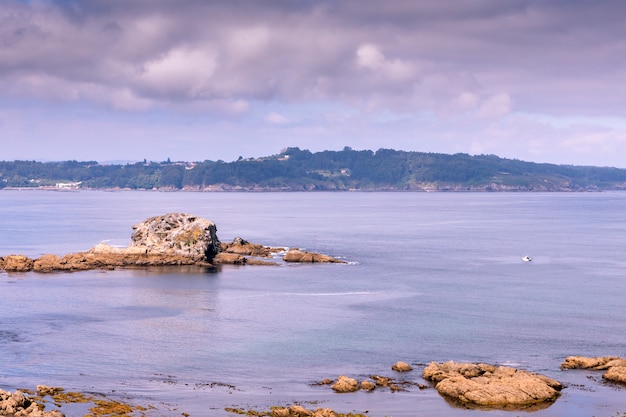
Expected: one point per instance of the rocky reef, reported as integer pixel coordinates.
(18, 404)
(170, 239)
(489, 386)
(614, 366)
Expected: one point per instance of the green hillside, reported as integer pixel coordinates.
(301, 170)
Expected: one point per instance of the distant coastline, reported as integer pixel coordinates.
(296, 170)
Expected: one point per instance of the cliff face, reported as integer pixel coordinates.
(177, 234)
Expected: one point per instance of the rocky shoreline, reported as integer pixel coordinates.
(172, 239)
(470, 385)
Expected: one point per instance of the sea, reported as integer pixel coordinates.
(428, 277)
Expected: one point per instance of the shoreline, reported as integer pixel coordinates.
(224, 399)
(260, 190)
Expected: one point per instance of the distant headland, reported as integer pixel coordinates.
(294, 169)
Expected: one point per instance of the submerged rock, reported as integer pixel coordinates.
(492, 386)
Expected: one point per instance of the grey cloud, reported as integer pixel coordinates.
(546, 56)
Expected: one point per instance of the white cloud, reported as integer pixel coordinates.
(473, 69)
(182, 72)
(496, 106)
(371, 58)
(276, 118)
(466, 101)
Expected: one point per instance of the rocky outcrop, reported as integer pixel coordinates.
(103, 256)
(491, 386)
(401, 367)
(242, 247)
(299, 411)
(345, 384)
(17, 263)
(171, 239)
(614, 366)
(616, 374)
(297, 255)
(17, 404)
(599, 363)
(291, 411)
(177, 234)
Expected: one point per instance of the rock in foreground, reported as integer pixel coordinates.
(490, 386)
(19, 405)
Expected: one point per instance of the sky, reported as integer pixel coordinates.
(195, 80)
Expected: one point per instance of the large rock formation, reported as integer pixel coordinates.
(177, 234)
(171, 239)
(614, 366)
(492, 386)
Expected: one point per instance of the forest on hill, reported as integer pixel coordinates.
(294, 169)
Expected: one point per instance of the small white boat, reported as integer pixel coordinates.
(527, 258)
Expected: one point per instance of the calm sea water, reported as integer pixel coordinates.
(432, 277)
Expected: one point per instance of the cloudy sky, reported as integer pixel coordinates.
(108, 80)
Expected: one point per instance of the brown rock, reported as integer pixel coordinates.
(18, 263)
(401, 367)
(368, 386)
(47, 263)
(281, 412)
(345, 384)
(614, 365)
(18, 405)
(381, 381)
(299, 411)
(243, 247)
(43, 390)
(492, 386)
(582, 362)
(297, 255)
(324, 412)
(616, 374)
(229, 258)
